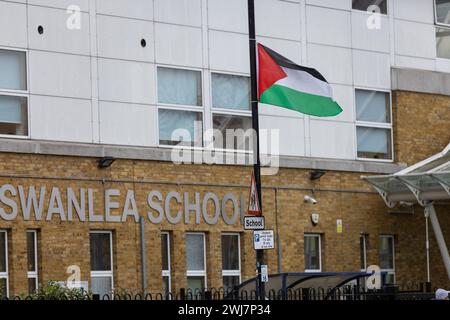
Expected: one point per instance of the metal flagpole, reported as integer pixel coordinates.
(260, 290)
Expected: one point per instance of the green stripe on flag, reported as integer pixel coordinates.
(310, 104)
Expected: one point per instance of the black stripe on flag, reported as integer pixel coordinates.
(285, 62)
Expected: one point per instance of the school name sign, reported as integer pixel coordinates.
(69, 204)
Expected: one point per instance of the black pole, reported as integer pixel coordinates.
(260, 290)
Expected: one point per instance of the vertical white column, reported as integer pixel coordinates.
(431, 212)
(207, 114)
(95, 112)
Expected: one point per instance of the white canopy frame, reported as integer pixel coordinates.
(425, 182)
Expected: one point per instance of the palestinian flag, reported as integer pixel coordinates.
(283, 83)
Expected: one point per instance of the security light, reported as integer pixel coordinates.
(105, 162)
(316, 174)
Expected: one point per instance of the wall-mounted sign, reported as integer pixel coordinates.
(46, 203)
(263, 239)
(254, 223)
(339, 225)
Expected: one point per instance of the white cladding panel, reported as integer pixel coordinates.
(67, 119)
(98, 83)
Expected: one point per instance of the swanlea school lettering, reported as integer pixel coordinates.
(49, 205)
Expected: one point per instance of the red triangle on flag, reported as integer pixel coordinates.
(253, 200)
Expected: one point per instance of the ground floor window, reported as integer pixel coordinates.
(165, 256)
(313, 252)
(363, 251)
(4, 280)
(102, 281)
(387, 257)
(196, 261)
(231, 260)
(32, 259)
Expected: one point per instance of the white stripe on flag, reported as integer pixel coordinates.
(304, 82)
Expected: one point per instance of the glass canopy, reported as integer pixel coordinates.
(423, 182)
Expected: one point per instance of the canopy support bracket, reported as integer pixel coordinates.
(415, 191)
(384, 196)
(444, 185)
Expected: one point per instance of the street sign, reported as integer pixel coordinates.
(263, 239)
(253, 200)
(264, 273)
(254, 223)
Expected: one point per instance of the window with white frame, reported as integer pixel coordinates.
(373, 124)
(165, 257)
(13, 93)
(231, 260)
(366, 5)
(32, 259)
(442, 12)
(313, 253)
(196, 262)
(4, 278)
(231, 111)
(363, 251)
(180, 107)
(387, 257)
(102, 281)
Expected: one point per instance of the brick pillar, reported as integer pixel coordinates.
(214, 259)
(17, 252)
(178, 255)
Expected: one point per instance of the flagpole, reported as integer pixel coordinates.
(260, 290)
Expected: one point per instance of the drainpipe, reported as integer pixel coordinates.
(143, 255)
(431, 212)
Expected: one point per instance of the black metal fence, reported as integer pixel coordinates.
(344, 293)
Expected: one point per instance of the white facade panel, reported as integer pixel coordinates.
(230, 15)
(290, 131)
(61, 119)
(13, 17)
(183, 12)
(125, 81)
(121, 38)
(370, 39)
(328, 26)
(371, 69)
(62, 75)
(278, 19)
(331, 139)
(56, 35)
(415, 10)
(139, 9)
(416, 63)
(335, 4)
(61, 4)
(334, 63)
(128, 124)
(178, 45)
(229, 52)
(415, 39)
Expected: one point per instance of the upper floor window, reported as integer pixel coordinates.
(230, 91)
(443, 12)
(179, 86)
(13, 93)
(373, 124)
(364, 5)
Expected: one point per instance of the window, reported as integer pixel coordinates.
(234, 132)
(13, 93)
(184, 128)
(230, 91)
(363, 251)
(364, 5)
(231, 260)
(442, 12)
(231, 95)
(101, 262)
(32, 257)
(4, 280)
(373, 124)
(181, 91)
(313, 252)
(165, 256)
(195, 261)
(387, 258)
